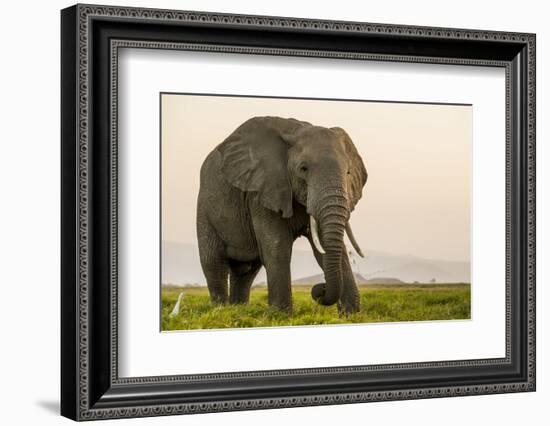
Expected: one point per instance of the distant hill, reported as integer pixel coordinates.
(319, 278)
(181, 265)
(359, 279)
(383, 280)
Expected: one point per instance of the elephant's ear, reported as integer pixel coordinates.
(358, 172)
(254, 159)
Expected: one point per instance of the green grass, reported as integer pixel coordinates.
(379, 303)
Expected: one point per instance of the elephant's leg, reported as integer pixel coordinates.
(279, 289)
(241, 276)
(275, 245)
(213, 262)
(350, 300)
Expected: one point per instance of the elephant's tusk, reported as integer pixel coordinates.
(315, 235)
(353, 241)
(176, 309)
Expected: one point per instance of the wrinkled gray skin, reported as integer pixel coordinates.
(257, 190)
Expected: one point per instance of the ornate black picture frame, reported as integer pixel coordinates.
(90, 38)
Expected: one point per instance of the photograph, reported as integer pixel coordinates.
(279, 211)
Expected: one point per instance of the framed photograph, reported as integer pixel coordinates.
(263, 212)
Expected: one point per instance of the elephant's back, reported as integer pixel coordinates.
(260, 125)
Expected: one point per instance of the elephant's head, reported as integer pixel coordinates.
(285, 160)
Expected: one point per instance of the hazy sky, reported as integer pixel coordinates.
(418, 157)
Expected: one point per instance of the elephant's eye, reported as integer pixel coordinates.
(349, 172)
(303, 168)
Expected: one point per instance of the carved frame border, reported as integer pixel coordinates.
(85, 14)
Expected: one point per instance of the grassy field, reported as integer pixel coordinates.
(379, 303)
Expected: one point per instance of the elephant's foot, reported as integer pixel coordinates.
(282, 306)
(218, 294)
(239, 295)
(346, 309)
(218, 299)
(279, 296)
(281, 302)
(349, 305)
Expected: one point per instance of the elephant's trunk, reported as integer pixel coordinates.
(333, 214)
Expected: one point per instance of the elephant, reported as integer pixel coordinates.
(269, 182)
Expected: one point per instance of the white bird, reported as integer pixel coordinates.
(176, 309)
